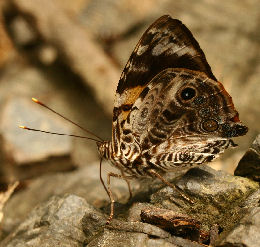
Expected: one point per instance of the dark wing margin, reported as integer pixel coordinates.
(167, 43)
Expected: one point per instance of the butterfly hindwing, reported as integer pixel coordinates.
(169, 129)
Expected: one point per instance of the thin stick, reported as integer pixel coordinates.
(152, 172)
(59, 134)
(87, 131)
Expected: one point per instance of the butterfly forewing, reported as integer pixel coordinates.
(167, 43)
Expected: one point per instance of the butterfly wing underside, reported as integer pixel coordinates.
(153, 122)
(167, 43)
(173, 132)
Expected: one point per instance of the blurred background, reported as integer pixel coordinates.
(70, 54)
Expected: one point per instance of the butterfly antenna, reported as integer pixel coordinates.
(59, 134)
(87, 131)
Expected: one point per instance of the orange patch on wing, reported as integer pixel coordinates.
(130, 96)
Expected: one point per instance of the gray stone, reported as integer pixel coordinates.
(23, 111)
(25, 154)
(216, 196)
(246, 233)
(54, 223)
(252, 201)
(249, 165)
(137, 234)
(131, 239)
(83, 182)
(42, 153)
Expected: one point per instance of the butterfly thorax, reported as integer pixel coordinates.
(107, 152)
(105, 149)
(133, 164)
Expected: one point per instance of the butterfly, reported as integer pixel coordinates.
(170, 111)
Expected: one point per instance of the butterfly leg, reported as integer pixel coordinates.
(108, 189)
(128, 184)
(155, 174)
(110, 194)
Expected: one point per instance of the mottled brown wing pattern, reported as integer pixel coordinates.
(171, 128)
(170, 110)
(167, 43)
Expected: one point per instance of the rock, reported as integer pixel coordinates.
(83, 182)
(216, 197)
(249, 165)
(25, 154)
(137, 234)
(24, 112)
(246, 233)
(54, 223)
(252, 201)
(219, 202)
(42, 152)
(70, 221)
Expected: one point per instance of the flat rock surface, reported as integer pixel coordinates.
(246, 232)
(54, 223)
(231, 198)
(41, 147)
(83, 182)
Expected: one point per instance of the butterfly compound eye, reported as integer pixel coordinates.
(188, 93)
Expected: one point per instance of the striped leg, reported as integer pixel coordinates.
(110, 194)
(108, 189)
